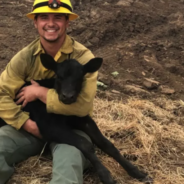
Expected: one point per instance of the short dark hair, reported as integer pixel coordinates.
(67, 16)
(37, 14)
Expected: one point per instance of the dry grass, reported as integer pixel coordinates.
(150, 134)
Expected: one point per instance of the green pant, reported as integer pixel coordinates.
(16, 146)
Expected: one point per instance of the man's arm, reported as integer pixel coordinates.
(49, 96)
(11, 80)
(10, 83)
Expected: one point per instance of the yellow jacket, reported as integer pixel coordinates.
(26, 65)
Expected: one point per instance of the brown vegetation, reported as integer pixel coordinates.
(150, 134)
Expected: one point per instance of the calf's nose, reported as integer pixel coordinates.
(68, 95)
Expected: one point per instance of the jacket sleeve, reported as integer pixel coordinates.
(84, 103)
(11, 80)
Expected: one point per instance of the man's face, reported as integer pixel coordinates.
(51, 27)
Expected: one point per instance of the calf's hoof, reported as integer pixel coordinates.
(147, 180)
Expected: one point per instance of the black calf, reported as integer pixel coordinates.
(57, 128)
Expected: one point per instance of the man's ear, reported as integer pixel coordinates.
(35, 23)
(48, 61)
(67, 23)
(93, 65)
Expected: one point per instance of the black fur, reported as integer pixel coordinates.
(57, 128)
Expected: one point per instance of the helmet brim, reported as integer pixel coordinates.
(46, 9)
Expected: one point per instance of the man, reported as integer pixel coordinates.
(20, 139)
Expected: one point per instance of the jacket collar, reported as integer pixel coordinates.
(66, 48)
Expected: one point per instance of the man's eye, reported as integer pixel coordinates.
(43, 17)
(58, 18)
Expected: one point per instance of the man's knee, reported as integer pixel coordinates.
(70, 155)
(67, 154)
(68, 164)
(8, 139)
(16, 146)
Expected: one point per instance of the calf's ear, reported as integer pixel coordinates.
(93, 65)
(48, 61)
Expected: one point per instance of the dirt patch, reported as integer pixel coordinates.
(142, 41)
(139, 39)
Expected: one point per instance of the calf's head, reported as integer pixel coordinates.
(69, 75)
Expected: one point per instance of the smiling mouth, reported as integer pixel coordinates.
(51, 31)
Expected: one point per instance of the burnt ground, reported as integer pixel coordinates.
(143, 40)
(140, 39)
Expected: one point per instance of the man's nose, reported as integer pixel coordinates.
(51, 22)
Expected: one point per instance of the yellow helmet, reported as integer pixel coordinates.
(52, 6)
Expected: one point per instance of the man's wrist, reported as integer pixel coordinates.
(31, 127)
(41, 93)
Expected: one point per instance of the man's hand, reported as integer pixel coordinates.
(28, 93)
(31, 127)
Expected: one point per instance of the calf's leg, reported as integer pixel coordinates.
(88, 125)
